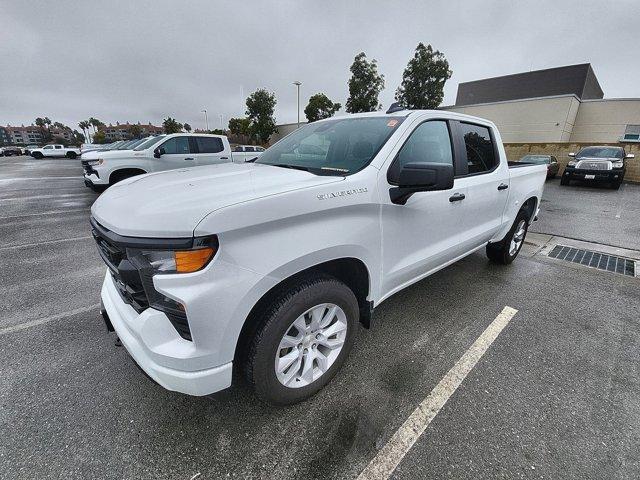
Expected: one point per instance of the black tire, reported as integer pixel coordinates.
(616, 185)
(119, 176)
(72, 155)
(499, 252)
(37, 155)
(564, 180)
(259, 364)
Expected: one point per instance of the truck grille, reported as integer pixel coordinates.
(593, 165)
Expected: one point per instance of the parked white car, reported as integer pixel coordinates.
(246, 152)
(164, 152)
(271, 265)
(55, 151)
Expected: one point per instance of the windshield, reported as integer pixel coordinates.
(334, 147)
(600, 152)
(126, 145)
(537, 159)
(148, 143)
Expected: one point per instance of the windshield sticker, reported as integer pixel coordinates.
(392, 123)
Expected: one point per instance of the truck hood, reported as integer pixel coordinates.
(171, 204)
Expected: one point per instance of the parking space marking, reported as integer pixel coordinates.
(40, 321)
(54, 212)
(389, 457)
(25, 179)
(48, 242)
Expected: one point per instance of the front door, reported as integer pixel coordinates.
(427, 231)
(175, 153)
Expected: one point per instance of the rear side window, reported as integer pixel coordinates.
(176, 146)
(249, 149)
(209, 145)
(430, 142)
(481, 154)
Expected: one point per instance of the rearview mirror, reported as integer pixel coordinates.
(421, 177)
(572, 154)
(629, 155)
(158, 152)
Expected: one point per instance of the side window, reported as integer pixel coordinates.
(209, 145)
(259, 149)
(430, 142)
(48, 147)
(57, 147)
(238, 149)
(481, 156)
(176, 146)
(249, 149)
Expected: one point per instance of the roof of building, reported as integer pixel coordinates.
(578, 80)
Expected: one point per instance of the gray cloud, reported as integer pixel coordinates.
(144, 60)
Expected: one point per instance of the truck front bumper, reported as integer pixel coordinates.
(151, 340)
(615, 175)
(93, 181)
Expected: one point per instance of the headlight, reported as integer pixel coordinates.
(618, 164)
(572, 163)
(93, 163)
(174, 261)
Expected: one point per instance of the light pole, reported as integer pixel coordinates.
(206, 119)
(221, 117)
(297, 84)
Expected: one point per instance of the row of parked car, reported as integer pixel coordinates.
(595, 164)
(103, 168)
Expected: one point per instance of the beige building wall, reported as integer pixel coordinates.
(283, 130)
(602, 121)
(548, 119)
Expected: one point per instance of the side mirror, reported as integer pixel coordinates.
(572, 154)
(629, 155)
(421, 177)
(158, 152)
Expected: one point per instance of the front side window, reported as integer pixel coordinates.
(333, 147)
(481, 155)
(209, 145)
(48, 147)
(430, 142)
(176, 146)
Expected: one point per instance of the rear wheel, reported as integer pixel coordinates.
(72, 155)
(302, 340)
(37, 155)
(507, 249)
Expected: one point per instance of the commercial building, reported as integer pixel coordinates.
(31, 134)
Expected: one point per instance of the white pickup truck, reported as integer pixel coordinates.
(270, 265)
(164, 152)
(55, 151)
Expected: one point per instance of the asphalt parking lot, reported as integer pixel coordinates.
(557, 395)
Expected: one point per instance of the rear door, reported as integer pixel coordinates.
(175, 153)
(486, 182)
(209, 150)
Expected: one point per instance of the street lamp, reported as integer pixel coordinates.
(297, 84)
(221, 117)
(206, 119)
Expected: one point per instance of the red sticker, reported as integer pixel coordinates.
(392, 123)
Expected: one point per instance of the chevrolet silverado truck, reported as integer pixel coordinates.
(164, 152)
(269, 266)
(55, 151)
(597, 164)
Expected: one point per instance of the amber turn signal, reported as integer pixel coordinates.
(193, 260)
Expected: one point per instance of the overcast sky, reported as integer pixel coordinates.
(143, 60)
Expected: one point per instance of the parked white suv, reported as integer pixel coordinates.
(270, 265)
(164, 152)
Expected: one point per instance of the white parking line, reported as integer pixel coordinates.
(390, 456)
(48, 242)
(25, 179)
(40, 321)
(54, 212)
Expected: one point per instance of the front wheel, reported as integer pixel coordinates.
(72, 155)
(303, 339)
(507, 249)
(37, 155)
(564, 180)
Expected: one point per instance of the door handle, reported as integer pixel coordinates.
(503, 186)
(456, 197)
(224, 158)
(189, 158)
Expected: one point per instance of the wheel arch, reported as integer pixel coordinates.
(128, 171)
(352, 271)
(530, 206)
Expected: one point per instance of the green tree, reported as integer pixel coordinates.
(217, 131)
(320, 107)
(96, 124)
(239, 126)
(171, 125)
(84, 126)
(99, 137)
(78, 138)
(187, 127)
(365, 85)
(423, 80)
(134, 131)
(260, 107)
